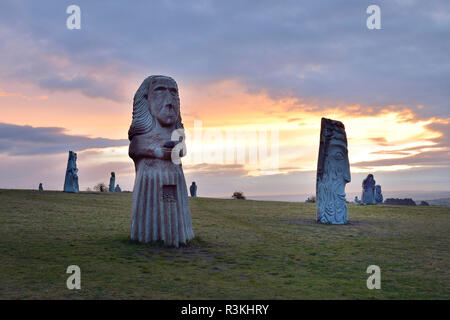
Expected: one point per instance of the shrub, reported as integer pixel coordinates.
(311, 199)
(101, 187)
(238, 195)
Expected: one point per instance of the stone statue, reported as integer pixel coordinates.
(117, 189)
(368, 194)
(41, 188)
(357, 201)
(193, 189)
(378, 194)
(71, 181)
(333, 173)
(112, 182)
(160, 209)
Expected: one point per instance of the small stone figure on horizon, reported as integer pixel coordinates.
(378, 194)
(368, 194)
(333, 173)
(193, 189)
(160, 209)
(112, 182)
(71, 180)
(117, 189)
(41, 188)
(357, 201)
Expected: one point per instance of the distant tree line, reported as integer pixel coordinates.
(400, 202)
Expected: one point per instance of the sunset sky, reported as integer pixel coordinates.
(275, 67)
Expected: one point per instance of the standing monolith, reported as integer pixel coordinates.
(333, 173)
(112, 182)
(117, 189)
(193, 189)
(71, 180)
(368, 194)
(378, 194)
(160, 209)
(41, 188)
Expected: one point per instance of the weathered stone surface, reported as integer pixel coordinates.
(368, 194)
(333, 173)
(71, 180)
(193, 189)
(41, 188)
(160, 209)
(378, 194)
(112, 182)
(117, 189)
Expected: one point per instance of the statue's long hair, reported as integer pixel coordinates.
(143, 121)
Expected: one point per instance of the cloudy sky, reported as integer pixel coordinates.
(264, 69)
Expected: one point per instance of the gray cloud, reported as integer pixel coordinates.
(88, 85)
(435, 155)
(217, 170)
(315, 52)
(429, 158)
(444, 129)
(27, 140)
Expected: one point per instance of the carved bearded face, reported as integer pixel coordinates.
(337, 165)
(332, 184)
(163, 100)
(337, 172)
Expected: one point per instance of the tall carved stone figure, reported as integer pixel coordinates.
(193, 189)
(160, 209)
(368, 194)
(71, 180)
(333, 173)
(41, 188)
(112, 182)
(378, 194)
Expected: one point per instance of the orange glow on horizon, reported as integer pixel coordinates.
(227, 105)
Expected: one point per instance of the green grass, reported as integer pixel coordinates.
(242, 250)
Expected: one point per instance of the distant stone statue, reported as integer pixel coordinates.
(357, 200)
(112, 182)
(160, 209)
(378, 194)
(41, 188)
(193, 189)
(333, 173)
(368, 194)
(71, 180)
(117, 189)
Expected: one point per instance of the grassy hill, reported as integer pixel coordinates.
(243, 250)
